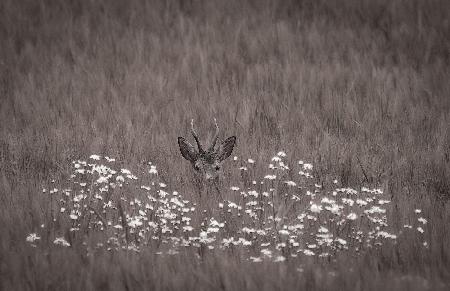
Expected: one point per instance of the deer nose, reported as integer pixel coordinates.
(208, 176)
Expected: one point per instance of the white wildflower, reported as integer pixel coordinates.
(352, 216)
(323, 229)
(361, 202)
(375, 209)
(316, 208)
(102, 180)
(307, 166)
(290, 183)
(341, 241)
(279, 259)
(276, 159)
(256, 259)
(283, 232)
(248, 230)
(266, 252)
(95, 157)
(32, 237)
(187, 228)
(348, 201)
(110, 159)
(153, 170)
(386, 235)
(334, 208)
(327, 200)
(61, 242)
(422, 220)
(135, 222)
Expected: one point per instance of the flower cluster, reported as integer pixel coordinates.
(285, 213)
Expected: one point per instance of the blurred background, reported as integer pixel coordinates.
(327, 80)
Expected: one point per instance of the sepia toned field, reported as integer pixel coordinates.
(340, 178)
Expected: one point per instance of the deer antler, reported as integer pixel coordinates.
(194, 134)
(216, 135)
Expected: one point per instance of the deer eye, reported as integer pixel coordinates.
(217, 167)
(196, 167)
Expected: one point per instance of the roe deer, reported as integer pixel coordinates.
(207, 163)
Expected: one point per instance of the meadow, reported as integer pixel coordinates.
(340, 178)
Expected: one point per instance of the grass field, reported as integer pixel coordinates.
(359, 89)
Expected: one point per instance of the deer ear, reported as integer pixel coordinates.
(187, 150)
(226, 148)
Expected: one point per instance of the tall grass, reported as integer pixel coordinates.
(359, 88)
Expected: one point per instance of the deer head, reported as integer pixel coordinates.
(208, 162)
